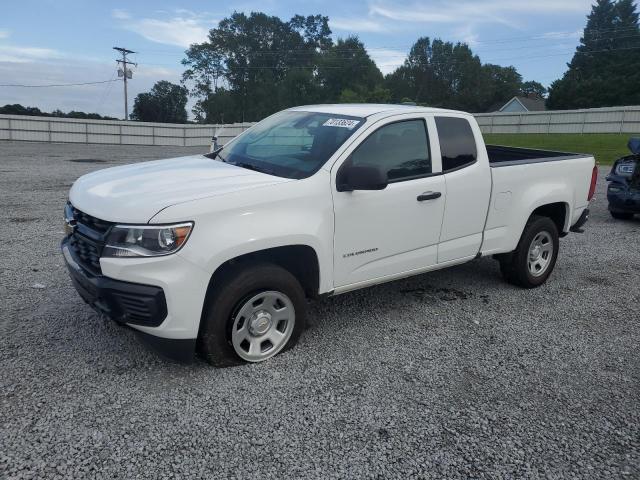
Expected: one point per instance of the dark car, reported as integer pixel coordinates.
(623, 192)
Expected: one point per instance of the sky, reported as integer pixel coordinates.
(70, 41)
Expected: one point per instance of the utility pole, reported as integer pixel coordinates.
(125, 73)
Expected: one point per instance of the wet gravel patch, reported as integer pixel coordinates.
(452, 374)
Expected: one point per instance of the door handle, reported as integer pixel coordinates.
(429, 196)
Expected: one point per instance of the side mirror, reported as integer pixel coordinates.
(214, 144)
(361, 177)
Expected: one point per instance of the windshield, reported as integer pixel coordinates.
(291, 144)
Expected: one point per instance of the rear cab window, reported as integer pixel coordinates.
(457, 143)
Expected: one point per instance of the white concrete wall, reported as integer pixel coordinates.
(118, 132)
(593, 120)
(115, 132)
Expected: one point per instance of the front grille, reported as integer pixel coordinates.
(88, 239)
(90, 222)
(87, 252)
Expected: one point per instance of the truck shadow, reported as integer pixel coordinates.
(475, 282)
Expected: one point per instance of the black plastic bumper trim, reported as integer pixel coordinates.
(124, 302)
(576, 228)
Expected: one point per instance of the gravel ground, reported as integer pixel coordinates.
(453, 374)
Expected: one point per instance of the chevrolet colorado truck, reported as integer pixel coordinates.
(219, 253)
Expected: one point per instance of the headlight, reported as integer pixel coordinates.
(625, 169)
(146, 240)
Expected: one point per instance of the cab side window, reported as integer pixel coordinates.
(457, 143)
(400, 148)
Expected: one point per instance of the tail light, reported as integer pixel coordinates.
(594, 180)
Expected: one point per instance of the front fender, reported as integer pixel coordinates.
(298, 212)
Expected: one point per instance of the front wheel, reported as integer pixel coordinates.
(531, 263)
(621, 215)
(255, 312)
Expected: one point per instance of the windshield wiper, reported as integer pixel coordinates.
(255, 168)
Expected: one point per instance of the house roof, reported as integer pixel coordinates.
(532, 104)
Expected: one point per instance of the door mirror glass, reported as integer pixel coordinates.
(361, 177)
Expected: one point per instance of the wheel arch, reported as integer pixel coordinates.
(558, 212)
(300, 260)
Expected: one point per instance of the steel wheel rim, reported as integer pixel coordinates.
(262, 326)
(540, 254)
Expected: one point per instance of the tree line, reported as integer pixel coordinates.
(605, 69)
(253, 65)
(17, 109)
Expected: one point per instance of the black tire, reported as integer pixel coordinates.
(224, 300)
(515, 265)
(621, 215)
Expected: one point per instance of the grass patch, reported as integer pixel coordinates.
(606, 147)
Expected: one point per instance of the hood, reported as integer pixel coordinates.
(135, 193)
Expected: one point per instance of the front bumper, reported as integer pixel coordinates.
(140, 306)
(624, 201)
(584, 217)
(124, 302)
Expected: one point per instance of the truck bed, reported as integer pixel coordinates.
(502, 156)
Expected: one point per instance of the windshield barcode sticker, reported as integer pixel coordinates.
(341, 122)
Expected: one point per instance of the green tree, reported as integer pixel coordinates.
(166, 103)
(533, 88)
(264, 64)
(17, 109)
(444, 74)
(500, 85)
(605, 70)
(347, 66)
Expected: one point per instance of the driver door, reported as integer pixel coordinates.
(384, 233)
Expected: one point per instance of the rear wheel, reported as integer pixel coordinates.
(253, 314)
(621, 215)
(531, 263)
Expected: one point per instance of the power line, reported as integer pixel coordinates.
(551, 36)
(106, 91)
(55, 84)
(344, 61)
(584, 52)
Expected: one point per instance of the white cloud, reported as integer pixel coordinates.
(357, 25)
(176, 31)
(466, 35)
(13, 54)
(474, 12)
(182, 29)
(120, 14)
(561, 35)
(387, 60)
(4, 33)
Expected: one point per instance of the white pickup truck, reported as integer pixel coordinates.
(218, 253)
